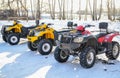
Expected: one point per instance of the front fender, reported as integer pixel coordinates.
(15, 28)
(32, 39)
(47, 34)
(91, 41)
(88, 37)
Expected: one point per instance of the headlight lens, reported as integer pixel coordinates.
(7, 28)
(78, 39)
(37, 33)
(59, 37)
(31, 33)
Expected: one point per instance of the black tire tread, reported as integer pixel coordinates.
(109, 53)
(30, 46)
(40, 46)
(57, 56)
(83, 60)
(8, 38)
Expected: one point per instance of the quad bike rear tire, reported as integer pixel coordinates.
(4, 38)
(87, 57)
(60, 55)
(45, 47)
(31, 46)
(13, 39)
(112, 55)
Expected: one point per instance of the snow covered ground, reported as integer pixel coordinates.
(19, 62)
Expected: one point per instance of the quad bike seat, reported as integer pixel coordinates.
(25, 30)
(103, 26)
(100, 35)
(31, 27)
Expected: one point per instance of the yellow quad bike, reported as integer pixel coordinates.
(13, 33)
(42, 38)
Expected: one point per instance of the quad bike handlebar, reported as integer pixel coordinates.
(89, 25)
(50, 24)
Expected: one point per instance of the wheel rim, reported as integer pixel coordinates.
(90, 57)
(46, 47)
(115, 50)
(33, 45)
(63, 55)
(13, 39)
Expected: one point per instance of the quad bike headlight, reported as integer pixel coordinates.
(59, 37)
(7, 29)
(37, 33)
(31, 33)
(78, 39)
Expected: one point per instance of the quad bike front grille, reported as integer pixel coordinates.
(66, 39)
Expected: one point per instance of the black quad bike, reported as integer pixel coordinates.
(13, 33)
(87, 46)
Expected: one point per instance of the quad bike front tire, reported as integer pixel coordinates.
(4, 38)
(45, 47)
(87, 57)
(112, 55)
(60, 55)
(13, 39)
(32, 46)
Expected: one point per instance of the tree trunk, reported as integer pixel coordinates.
(94, 17)
(100, 13)
(18, 9)
(60, 9)
(63, 16)
(111, 9)
(38, 13)
(52, 8)
(86, 10)
(79, 10)
(31, 5)
(71, 9)
(9, 5)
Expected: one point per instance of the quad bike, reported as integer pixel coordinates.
(86, 46)
(13, 33)
(42, 38)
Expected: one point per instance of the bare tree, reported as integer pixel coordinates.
(100, 12)
(71, 10)
(9, 5)
(52, 8)
(32, 12)
(18, 8)
(63, 13)
(79, 10)
(24, 8)
(111, 9)
(94, 15)
(39, 9)
(86, 10)
(60, 9)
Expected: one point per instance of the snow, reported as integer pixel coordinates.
(19, 62)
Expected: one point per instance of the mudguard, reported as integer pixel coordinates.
(108, 38)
